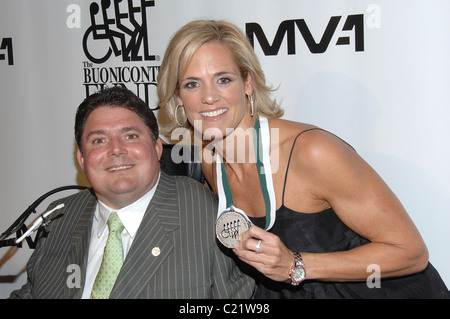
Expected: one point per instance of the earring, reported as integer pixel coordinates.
(176, 115)
(250, 102)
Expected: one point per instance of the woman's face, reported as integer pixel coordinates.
(213, 92)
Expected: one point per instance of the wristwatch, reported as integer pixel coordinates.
(298, 272)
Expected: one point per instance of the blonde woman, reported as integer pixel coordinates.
(320, 215)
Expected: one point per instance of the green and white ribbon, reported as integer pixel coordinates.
(261, 139)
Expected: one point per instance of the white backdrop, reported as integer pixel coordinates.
(388, 98)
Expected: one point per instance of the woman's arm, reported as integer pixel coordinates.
(335, 174)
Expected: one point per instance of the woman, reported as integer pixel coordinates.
(324, 221)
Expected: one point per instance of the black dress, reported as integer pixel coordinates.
(325, 232)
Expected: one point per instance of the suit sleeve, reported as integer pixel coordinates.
(229, 282)
(26, 291)
(226, 280)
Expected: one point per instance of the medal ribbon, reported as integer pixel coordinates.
(261, 140)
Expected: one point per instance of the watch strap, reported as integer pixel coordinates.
(298, 262)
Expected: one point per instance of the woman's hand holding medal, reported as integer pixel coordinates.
(272, 258)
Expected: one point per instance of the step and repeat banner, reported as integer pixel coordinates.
(376, 73)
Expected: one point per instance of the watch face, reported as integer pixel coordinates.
(298, 274)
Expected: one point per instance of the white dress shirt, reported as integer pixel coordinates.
(130, 216)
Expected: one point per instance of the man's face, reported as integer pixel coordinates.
(119, 157)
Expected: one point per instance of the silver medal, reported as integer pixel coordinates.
(230, 224)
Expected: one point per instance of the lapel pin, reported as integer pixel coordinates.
(156, 251)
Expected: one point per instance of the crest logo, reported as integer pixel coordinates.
(120, 29)
(118, 33)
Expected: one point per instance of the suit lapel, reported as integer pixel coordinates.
(79, 245)
(161, 218)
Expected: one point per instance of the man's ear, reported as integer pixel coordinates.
(159, 147)
(80, 159)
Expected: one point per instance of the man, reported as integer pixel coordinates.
(168, 241)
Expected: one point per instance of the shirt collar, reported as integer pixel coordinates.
(130, 216)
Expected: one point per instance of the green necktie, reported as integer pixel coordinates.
(112, 260)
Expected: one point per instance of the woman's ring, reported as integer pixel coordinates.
(258, 246)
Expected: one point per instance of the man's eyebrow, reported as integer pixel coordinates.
(131, 128)
(123, 130)
(96, 132)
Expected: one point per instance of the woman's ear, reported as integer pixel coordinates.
(179, 101)
(249, 84)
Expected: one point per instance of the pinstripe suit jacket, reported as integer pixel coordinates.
(179, 220)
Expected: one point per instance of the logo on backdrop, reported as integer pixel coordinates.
(122, 31)
(338, 26)
(6, 51)
(118, 31)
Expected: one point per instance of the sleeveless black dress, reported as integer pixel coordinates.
(325, 232)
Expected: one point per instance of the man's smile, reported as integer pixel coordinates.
(119, 168)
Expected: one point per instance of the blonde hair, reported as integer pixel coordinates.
(182, 47)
